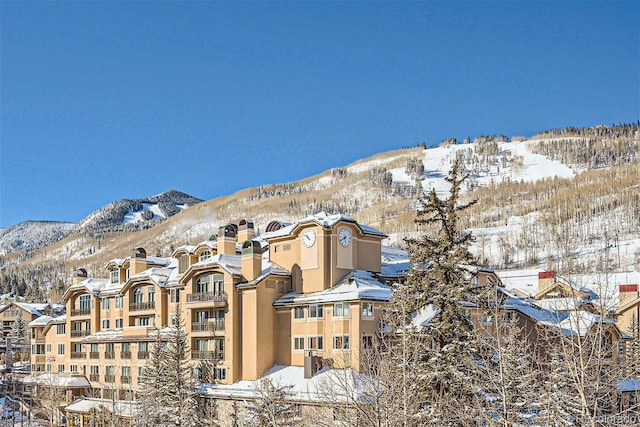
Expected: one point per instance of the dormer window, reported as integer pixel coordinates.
(115, 275)
(205, 255)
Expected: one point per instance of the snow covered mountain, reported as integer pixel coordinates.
(565, 198)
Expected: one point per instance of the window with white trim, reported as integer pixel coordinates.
(367, 309)
(315, 311)
(298, 343)
(341, 309)
(298, 313)
(315, 343)
(341, 342)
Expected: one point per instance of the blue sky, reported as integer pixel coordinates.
(108, 100)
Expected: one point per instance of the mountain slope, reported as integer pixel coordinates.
(544, 209)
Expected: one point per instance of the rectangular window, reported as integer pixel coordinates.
(315, 311)
(341, 342)
(125, 371)
(61, 368)
(60, 348)
(143, 346)
(48, 348)
(175, 295)
(220, 374)
(218, 284)
(151, 294)
(105, 303)
(183, 263)
(105, 324)
(119, 323)
(367, 341)
(61, 329)
(298, 313)
(94, 370)
(367, 309)
(202, 284)
(119, 301)
(485, 318)
(94, 347)
(620, 349)
(85, 302)
(315, 343)
(48, 367)
(298, 343)
(73, 368)
(341, 309)
(115, 275)
(143, 321)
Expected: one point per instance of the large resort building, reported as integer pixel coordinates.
(299, 296)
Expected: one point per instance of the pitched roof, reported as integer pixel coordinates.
(358, 285)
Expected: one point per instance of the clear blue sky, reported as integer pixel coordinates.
(109, 100)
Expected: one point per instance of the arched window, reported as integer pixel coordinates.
(205, 255)
(202, 285)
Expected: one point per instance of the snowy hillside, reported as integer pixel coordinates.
(30, 235)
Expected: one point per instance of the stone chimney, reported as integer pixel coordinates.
(251, 259)
(227, 238)
(78, 276)
(546, 279)
(628, 293)
(246, 230)
(138, 261)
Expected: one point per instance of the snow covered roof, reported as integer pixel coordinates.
(323, 219)
(40, 321)
(34, 308)
(92, 285)
(87, 405)
(628, 385)
(59, 380)
(328, 384)
(158, 261)
(230, 263)
(358, 285)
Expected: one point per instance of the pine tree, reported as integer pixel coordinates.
(273, 407)
(633, 349)
(152, 393)
(20, 338)
(435, 360)
(180, 385)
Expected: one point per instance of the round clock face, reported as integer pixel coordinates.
(344, 237)
(309, 238)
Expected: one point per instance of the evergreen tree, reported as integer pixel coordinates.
(633, 349)
(273, 407)
(152, 392)
(180, 385)
(19, 336)
(435, 359)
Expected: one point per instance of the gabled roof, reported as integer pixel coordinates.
(88, 405)
(91, 285)
(358, 285)
(324, 220)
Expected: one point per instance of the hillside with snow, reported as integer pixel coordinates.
(553, 201)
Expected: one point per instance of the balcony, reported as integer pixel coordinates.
(207, 296)
(78, 354)
(143, 355)
(109, 354)
(78, 334)
(125, 379)
(125, 355)
(40, 358)
(109, 378)
(94, 355)
(94, 377)
(207, 355)
(80, 312)
(142, 306)
(210, 325)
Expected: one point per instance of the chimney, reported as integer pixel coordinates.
(78, 276)
(246, 230)
(138, 261)
(251, 259)
(628, 292)
(227, 238)
(546, 279)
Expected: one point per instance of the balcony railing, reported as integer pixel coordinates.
(125, 379)
(109, 354)
(125, 355)
(94, 377)
(78, 354)
(78, 334)
(208, 355)
(109, 378)
(80, 311)
(143, 355)
(94, 355)
(140, 306)
(210, 325)
(206, 296)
